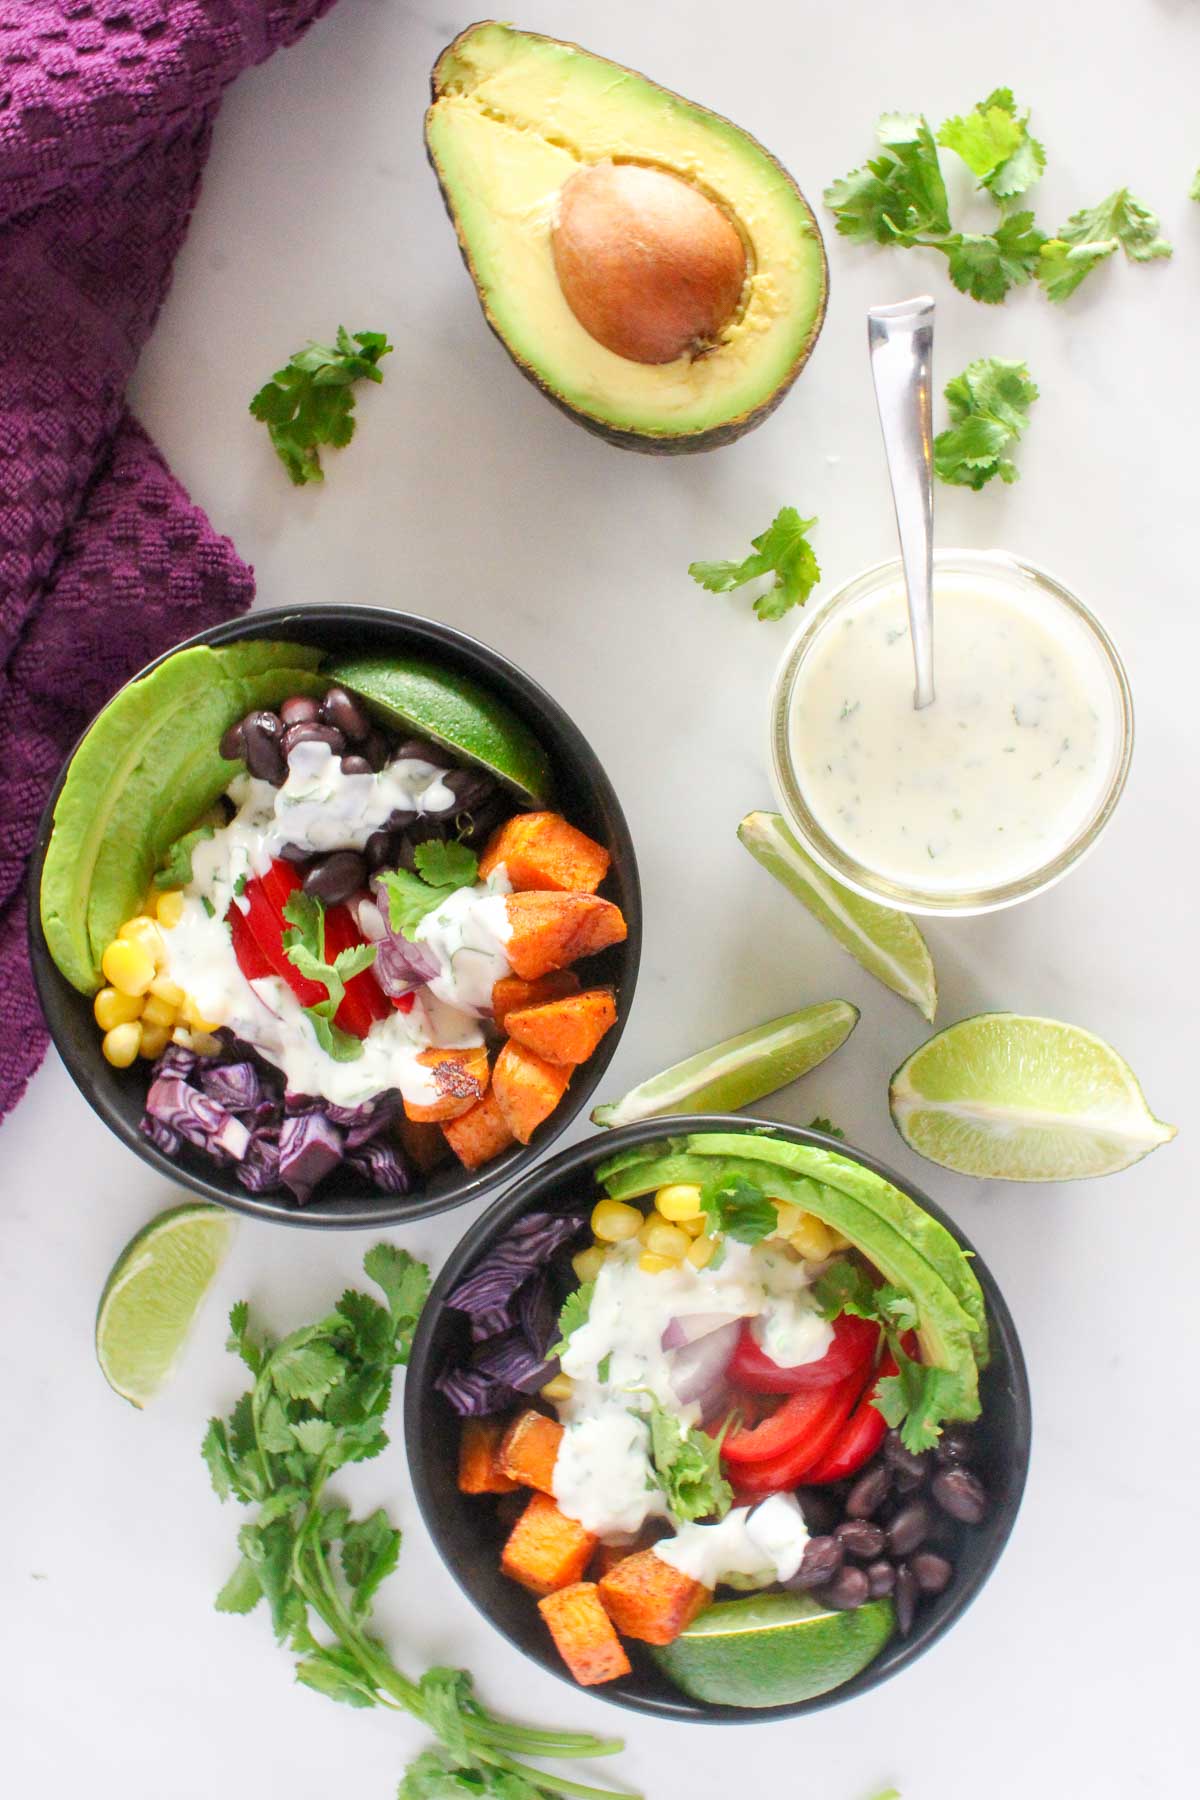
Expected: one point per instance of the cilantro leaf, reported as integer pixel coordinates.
(338, 1674)
(574, 1313)
(450, 864)
(783, 548)
(989, 409)
(1095, 233)
(687, 1467)
(405, 1283)
(987, 265)
(996, 145)
(434, 1776)
(370, 1551)
(304, 945)
(176, 869)
(242, 1592)
(828, 1127)
(309, 401)
(898, 197)
(737, 1208)
(443, 869)
(917, 1399)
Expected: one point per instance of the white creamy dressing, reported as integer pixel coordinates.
(602, 1475)
(749, 1547)
(320, 808)
(987, 783)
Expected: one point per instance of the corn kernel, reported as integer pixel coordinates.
(812, 1239)
(679, 1201)
(559, 1387)
(840, 1240)
(700, 1252)
(205, 1044)
(156, 1012)
(181, 1035)
(146, 933)
(662, 1239)
(112, 1008)
(163, 988)
(128, 967)
(155, 1039)
(655, 1265)
(121, 1044)
(169, 909)
(190, 1014)
(693, 1227)
(790, 1218)
(588, 1263)
(613, 1222)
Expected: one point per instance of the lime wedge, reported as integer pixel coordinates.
(742, 1069)
(455, 712)
(774, 1649)
(153, 1294)
(1017, 1099)
(886, 943)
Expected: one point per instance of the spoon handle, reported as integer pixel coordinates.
(900, 339)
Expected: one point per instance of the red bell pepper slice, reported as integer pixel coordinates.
(251, 960)
(815, 1421)
(258, 946)
(855, 1342)
(860, 1438)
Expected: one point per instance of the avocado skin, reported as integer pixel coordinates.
(677, 443)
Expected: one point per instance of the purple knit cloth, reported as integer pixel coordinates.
(106, 112)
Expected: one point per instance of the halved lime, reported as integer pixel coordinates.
(455, 712)
(742, 1069)
(153, 1294)
(774, 1649)
(1020, 1099)
(886, 943)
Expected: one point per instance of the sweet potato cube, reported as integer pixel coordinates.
(649, 1599)
(510, 992)
(565, 1031)
(583, 1634)
(479, 1470)
(423, 1144)
(480, 1134)
(540, 850)
(461, 1078)
(546, 1550)
(529, 1449)
(609, 1555)
(527, 1088)
(549, 931)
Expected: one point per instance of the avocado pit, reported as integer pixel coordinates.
(650, 266)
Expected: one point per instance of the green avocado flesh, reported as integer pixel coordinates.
(455, 712)
(774, 1649)
(514, 116)
(147, 768)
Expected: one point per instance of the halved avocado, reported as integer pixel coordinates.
(516, 118)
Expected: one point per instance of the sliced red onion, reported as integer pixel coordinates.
(685, 1330)
(699, 1368)
(369, 919)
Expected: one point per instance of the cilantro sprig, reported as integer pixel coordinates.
(317, 1404)
(782, 549)
(305, 949)
(687, 1467)
(441, 870)
(575, 1310)
(997, 146)
(1095, 233)
(309, 401)
(920, 1395)
(989, 409)
(737, 1207)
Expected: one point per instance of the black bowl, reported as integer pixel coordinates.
(467, 1530)
(586, 795)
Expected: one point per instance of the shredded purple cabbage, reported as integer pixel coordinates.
(309, 1148)
(512, 1360)
(259, 1169)
(537, 1314)
(235, 1086)
(472, 1393)
(176, 1059)
(486, 1325)
(382, 1164)
(160, 1135)
(528, 1246)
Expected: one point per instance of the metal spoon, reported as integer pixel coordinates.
(900, 339)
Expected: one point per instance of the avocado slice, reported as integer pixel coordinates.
(515, 116)
(145, 770)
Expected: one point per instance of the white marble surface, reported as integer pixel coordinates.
(468, 497)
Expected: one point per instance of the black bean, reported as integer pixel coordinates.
(868, 1493)
(955, 1446)
(909, 1528)
(901, 1459)
(336, 877)
(860, 1538)
(313, 734)
(233, 744)
(821, 1512)
(470, 787)
(848, 1589)
(421, 750)
(881, 1578)
(378, 850)
(399, 818)
(427, 831)
(960, 1494)
(820, 1563)
(342, 710)
(375, 749)
(476, 826)
(907, 1481)
(296, 853)
(356, 765)
(932, 1573)
(301, 709)
(261, 735)
(404, 852)
(906, 1598)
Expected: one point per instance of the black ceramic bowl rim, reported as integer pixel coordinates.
(426, 1418)
(450, 1187)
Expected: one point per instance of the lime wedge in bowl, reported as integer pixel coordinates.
(1020, 1099)
(456, 712)
(742, 1069)
(153, 1294)
(886, 943)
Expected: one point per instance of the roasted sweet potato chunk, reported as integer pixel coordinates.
(461, 1078)
(527, 1088)
(583, 1634)
(479, 1135)
(510, 992)
(549, 931)
(423, 1144)
(647, 1598)
(541, 851)
(479, 1470)
(546, 1550)
(529, 1449)
(565, 1031)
